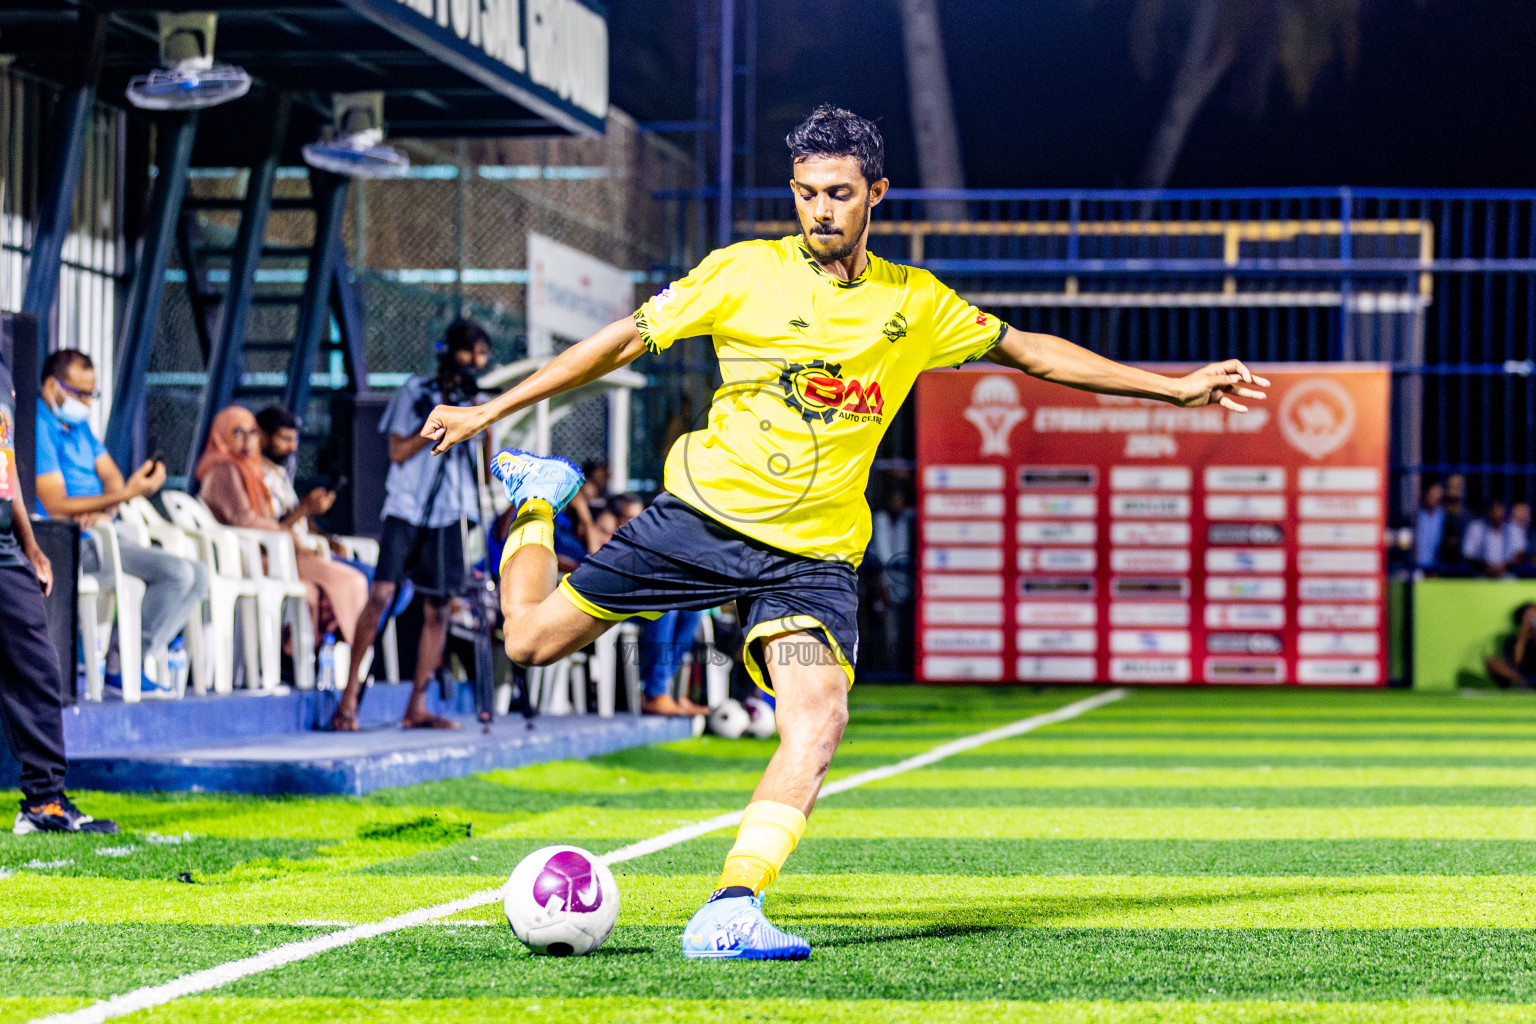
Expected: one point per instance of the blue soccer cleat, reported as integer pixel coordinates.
(525, 476)
(735, 929)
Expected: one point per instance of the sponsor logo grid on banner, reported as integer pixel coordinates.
(1072, 537)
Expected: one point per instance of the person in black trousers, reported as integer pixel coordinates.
(31, 695)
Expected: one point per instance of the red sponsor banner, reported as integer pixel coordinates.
(1071, 537)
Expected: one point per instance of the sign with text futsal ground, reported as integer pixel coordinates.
(1071, 537)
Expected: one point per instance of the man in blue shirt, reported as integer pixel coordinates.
(431, 552)
(77, 479)
(1429, 527)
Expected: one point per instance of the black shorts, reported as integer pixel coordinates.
(672, 556)
(438, 569)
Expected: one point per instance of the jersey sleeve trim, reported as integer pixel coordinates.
(643, 328)
(988, 345)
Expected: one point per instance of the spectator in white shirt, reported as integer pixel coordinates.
(1520, 534)
(1495, 541)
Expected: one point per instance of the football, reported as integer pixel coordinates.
(760, 714)
(562, 901)
(729, 720)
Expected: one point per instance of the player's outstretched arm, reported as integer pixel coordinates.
(1060, 361)
(614, 346)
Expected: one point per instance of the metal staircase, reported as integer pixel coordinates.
(267, 311)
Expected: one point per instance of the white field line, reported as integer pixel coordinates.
(223, 974)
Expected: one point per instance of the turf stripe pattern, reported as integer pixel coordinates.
(1180, 856)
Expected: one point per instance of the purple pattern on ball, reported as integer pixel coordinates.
(569, 875)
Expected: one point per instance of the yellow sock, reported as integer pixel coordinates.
(768, 835)
(535, 524)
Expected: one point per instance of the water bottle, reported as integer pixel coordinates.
(325, 679)
(176, 665)
(112, 676)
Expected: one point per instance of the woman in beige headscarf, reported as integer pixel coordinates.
(231, 485)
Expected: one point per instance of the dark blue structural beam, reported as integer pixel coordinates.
(348, 306)
(325, 257)
(224, 359)
(177, 133)
(57, 204)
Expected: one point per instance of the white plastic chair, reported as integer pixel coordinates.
(231, 594)
(629, 662)
(133, 530)
(278, 588)
(561, 688)
(603, 666)
(210, 644)
(92, 637)
(717, 667)
(118, 596)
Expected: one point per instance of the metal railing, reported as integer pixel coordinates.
(1440, 284)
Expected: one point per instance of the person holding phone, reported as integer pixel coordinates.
(77, 479)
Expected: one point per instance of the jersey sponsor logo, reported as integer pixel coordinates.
(895, 328)
(818, 391)
(664, 297)
(981, 319)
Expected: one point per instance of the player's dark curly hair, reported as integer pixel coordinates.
(833, 131)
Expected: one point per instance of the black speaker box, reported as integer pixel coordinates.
(360, 453)
(60, 541)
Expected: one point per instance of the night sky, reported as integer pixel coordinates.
(1442, 94)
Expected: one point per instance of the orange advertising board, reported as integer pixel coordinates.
(1071, 537)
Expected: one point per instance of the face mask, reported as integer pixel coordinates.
(73, 411)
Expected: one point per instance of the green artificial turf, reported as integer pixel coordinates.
(1184, 856)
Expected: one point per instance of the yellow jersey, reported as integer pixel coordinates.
(813, 370)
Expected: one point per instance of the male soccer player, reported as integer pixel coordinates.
(819, 343)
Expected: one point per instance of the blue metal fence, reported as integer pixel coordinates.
(1440, 284)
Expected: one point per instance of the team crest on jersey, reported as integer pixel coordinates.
(818, 391)
(895, 328)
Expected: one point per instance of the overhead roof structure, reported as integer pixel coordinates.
(446, 67)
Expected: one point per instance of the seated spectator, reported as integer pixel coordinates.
(1493, 542)
(235, 490)
(1520, 537)
(1428, 525)
(1453, 529)
(574, 533)
(279, 440)
(625, 507)
(594, 494)
(1515, 665)
(77, 479)
(663, 642)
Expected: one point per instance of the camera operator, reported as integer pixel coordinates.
(430, 552)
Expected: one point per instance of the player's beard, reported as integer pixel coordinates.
(831, 248)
